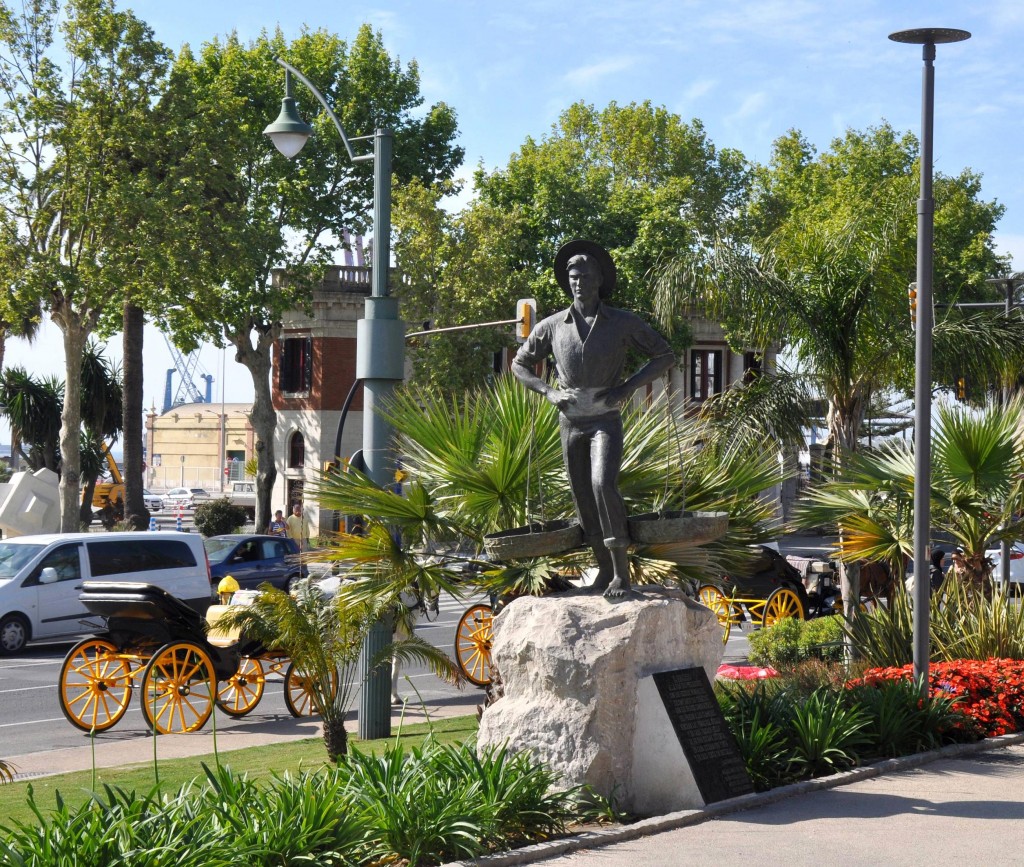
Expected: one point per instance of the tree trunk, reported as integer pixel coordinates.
(75, 335)
(135, 511)
(844, 421)
(264, 418)
(335, 737)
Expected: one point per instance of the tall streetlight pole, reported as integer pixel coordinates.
(380, 358)
(928, 38)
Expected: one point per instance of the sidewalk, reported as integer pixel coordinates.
(963, 809)
(139, 749)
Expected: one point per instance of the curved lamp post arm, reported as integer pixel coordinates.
(365, 158)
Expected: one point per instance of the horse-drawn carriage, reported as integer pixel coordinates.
(156, 643)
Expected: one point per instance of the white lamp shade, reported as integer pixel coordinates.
(288, 143)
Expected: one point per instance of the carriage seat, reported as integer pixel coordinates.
(216, 635)
(135, 601)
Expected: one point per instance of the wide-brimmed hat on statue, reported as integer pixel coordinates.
(596, 252)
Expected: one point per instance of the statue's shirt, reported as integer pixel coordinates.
(597, 362)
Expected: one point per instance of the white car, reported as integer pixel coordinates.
(1016, 563)
(153, 502)
(188, 497)
(41, 578)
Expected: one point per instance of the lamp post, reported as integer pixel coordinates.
(928, 38)
(380, 357)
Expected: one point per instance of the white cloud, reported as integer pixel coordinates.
(699, 88)
(586, 76)
(751, 106)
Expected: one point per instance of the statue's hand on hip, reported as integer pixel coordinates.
(615, 396)
(561, 398)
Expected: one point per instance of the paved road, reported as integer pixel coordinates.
(31, 719)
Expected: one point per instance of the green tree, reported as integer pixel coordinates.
(828, 267)
(290, 215)
(635, 178)
(33, 407)
(78, 88)
(825, 268)
(977, 492)
(323, 638)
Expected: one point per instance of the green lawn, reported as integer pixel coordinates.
(253, 761)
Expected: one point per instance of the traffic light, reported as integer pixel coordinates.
(961, 388)
(912, 296)
(526, 316)
(331, 467)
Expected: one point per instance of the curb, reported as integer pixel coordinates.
(685, 818)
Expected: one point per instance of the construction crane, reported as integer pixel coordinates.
(187, 391)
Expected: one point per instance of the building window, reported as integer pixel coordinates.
(705, 373)
(296, 373)
(753, 366)
(296, 450)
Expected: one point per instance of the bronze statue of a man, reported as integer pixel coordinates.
(589, 342)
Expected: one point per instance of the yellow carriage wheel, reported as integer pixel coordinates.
(95, 685)
(299, 697)
(241, 692)
(713, 598)
(177, 688)
(782, 603)
(473, 644)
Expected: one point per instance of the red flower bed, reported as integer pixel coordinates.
(989, 692)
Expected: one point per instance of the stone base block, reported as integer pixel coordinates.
(571, 665)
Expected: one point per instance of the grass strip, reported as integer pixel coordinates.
(255, 762)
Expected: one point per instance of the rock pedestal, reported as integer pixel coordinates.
(570, 666)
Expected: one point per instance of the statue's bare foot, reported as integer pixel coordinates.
(601, 582)
(618, 587)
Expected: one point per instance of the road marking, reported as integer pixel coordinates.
(32, 722)
(30, 664)
(27, 688)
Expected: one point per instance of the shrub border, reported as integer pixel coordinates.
(685, 818)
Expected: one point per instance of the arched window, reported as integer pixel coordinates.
(296, 450)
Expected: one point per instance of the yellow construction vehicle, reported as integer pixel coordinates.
(108, 497)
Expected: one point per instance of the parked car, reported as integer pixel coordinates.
(1016, 563)
(41, 578)
(188, 497)
(252, 559)
(153, 502)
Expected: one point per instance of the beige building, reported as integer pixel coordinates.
(196, 445)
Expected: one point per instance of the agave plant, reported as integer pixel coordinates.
(492, 461)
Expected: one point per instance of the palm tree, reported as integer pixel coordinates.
(33, 409)
(977, 492)
(323, 637)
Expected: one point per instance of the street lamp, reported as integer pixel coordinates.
(928, 38)
(380, 357)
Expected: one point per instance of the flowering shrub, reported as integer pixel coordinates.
(989, 693)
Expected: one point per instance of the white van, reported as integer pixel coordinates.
(41, 578)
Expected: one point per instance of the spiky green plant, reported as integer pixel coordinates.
(977, 495)
(323, 638)
(492, 460)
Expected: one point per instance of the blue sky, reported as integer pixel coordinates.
(748, 70)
